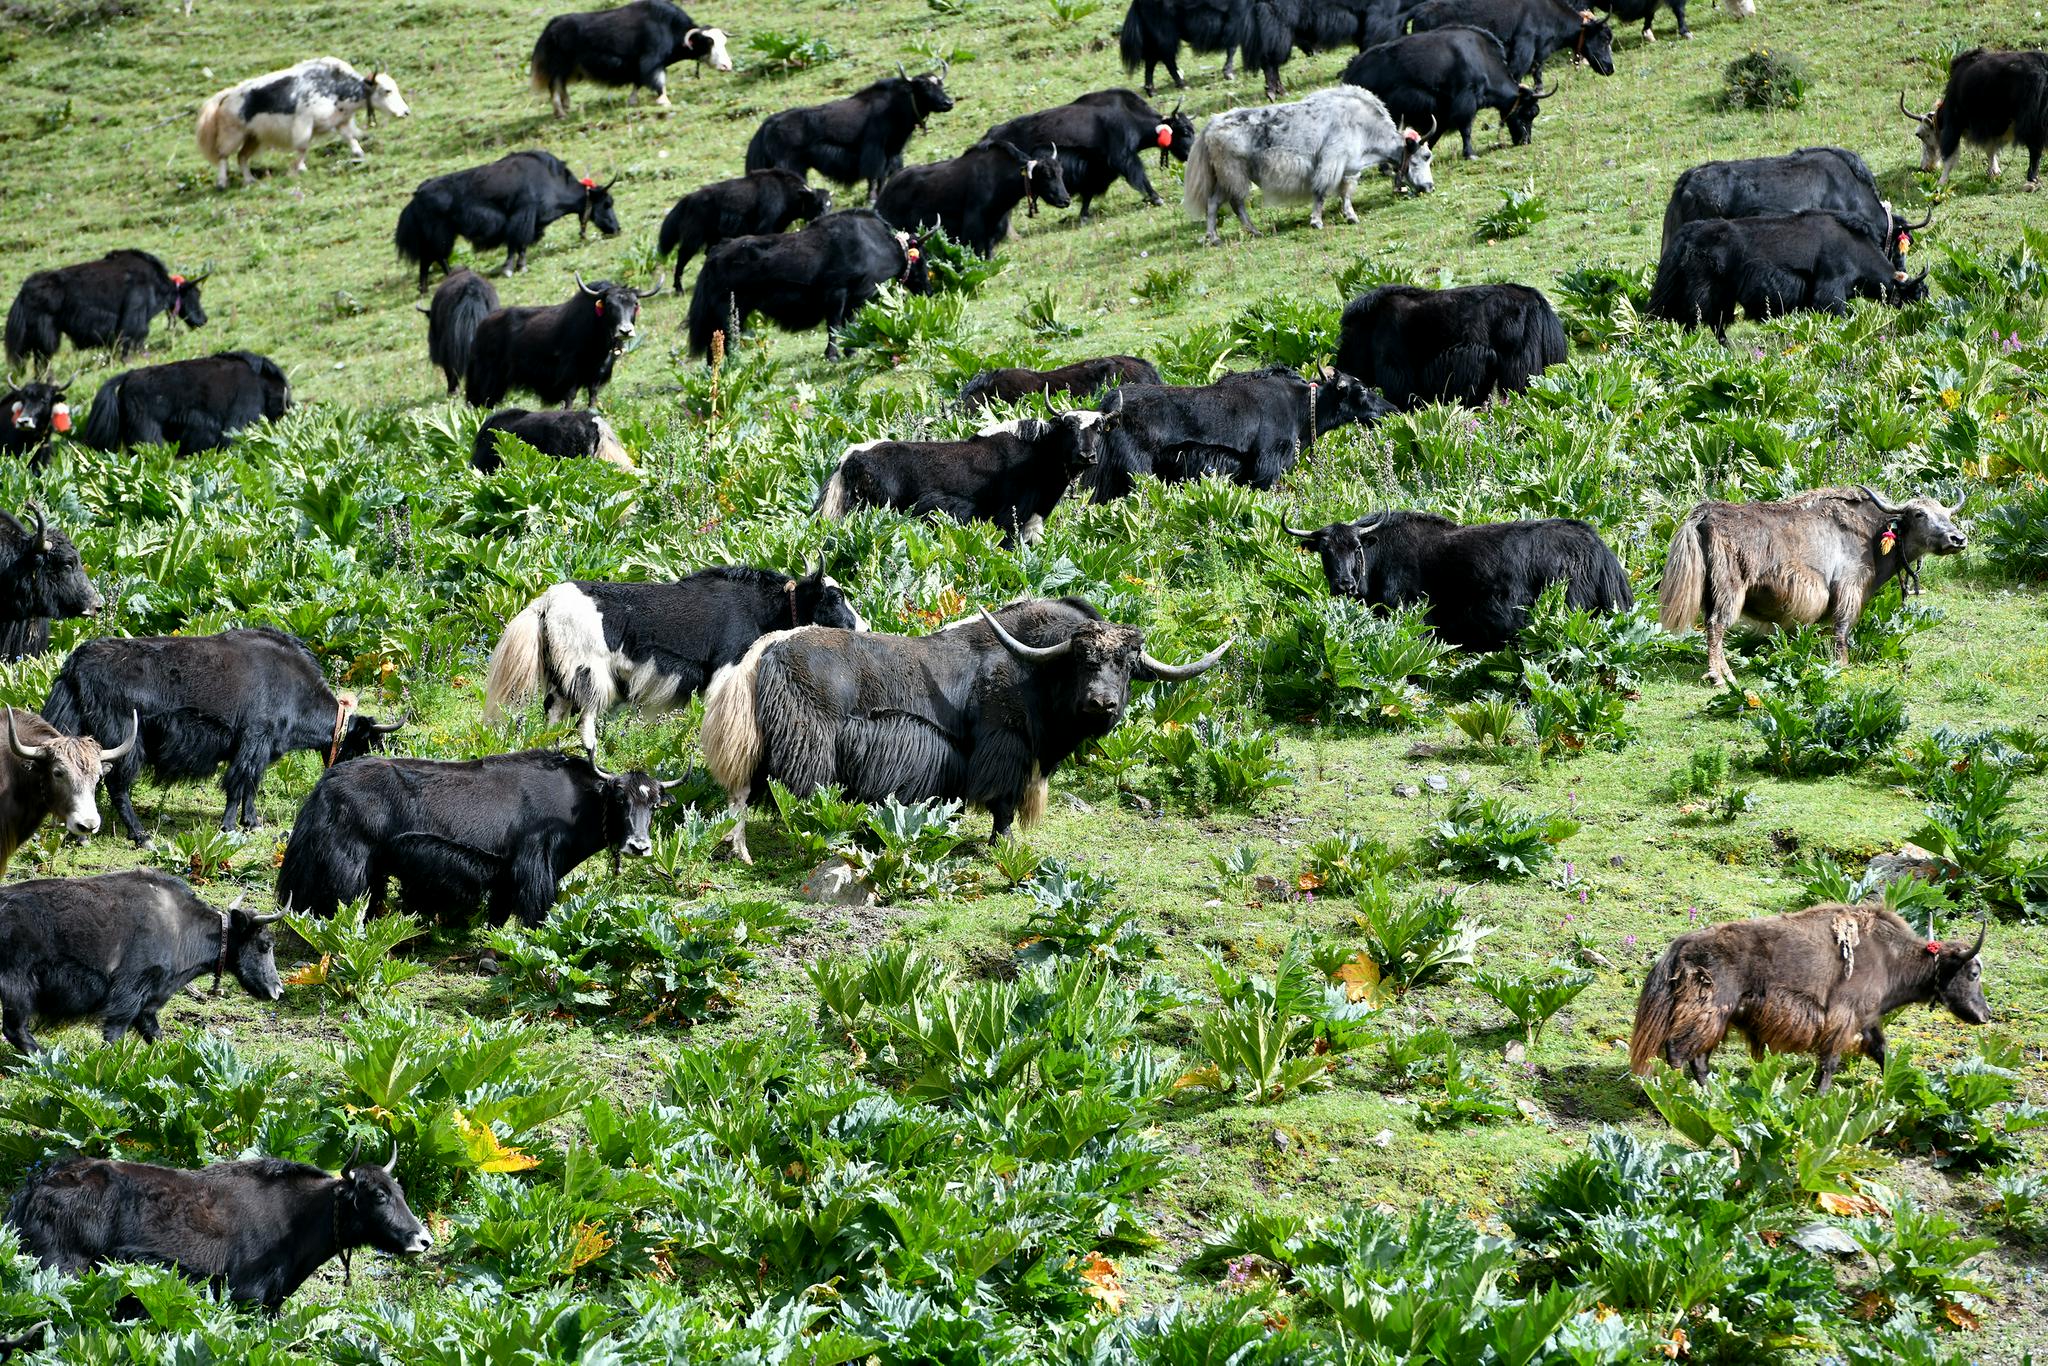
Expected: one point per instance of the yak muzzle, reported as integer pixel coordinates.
(418, 1243)
(639, 846)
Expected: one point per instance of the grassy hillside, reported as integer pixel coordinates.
(722, 1101)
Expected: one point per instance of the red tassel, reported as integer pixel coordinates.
(1934, 946)
(588, 183)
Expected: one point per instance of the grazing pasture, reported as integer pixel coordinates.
(1310, 993)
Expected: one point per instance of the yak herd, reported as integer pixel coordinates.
(796, 689)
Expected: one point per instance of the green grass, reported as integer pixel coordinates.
(95, 146)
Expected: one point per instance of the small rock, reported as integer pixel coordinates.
(1282, 1140)
(1614, 860)
(1140, 802)
(1383, 1139)
(1265, 884)
(834, 883)
(1423, 749)
(1406, 790)
(1437, 782)
(1827, 1239)
(1531, 1111)
(1514, 1052)
(1910, 861)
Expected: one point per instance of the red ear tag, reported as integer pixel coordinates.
(177, 279)
(588, 183)
(1165, 136)
(911, 255)
(60, 418)
(1411, 135)
(1887, 541)
(600, 308)
(1934, 946)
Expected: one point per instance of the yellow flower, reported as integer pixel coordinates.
(1950, 398)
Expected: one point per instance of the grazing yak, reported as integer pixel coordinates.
(1822, 555)
(116, 948)
(244, 698)
(285, 110)
(108, 302)
(823, 273)
(1818, 981)
(1478, 582)
(41, 578)
(552, 352)
(1080, 379)
(1011, 474)
(1153, 31)
(588, 647)
(858, 138)
(755, 204)
(464, 299)
(254, 1229)
(48, 774)
(982, 712)
(1461, 345)
(1443, 78)
(500, 832)
(195, 405)
(1100, 137)
(1773, 265)
(508, 203)
(973, 195)
(1310, 149)
(1530, 31)
(564, 433)
(1629, 11)
(1993, 99)
(1248, 427)
(1278, 28)
(29, 415)
(1826, 179)
(633, 44)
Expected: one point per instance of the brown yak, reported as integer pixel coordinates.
(1821, 555)
(1817, 981)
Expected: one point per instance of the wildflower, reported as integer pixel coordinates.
(1628, 941)
(1951, 399)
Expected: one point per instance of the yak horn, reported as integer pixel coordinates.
(424, 309)
(14, 742)
(355, 1150)
(1917, 118)
(580, 285)
(647, 293)
(1432, 129)
(386, 727)
(1915, 227)
(1983, 924)
(1958, 505)
(1365, 528)
(107, 756)
(270, 919)
(390, 1163)
(670, 784)
(608, 777)
(1175, 673)
(1882, 505)
(903, 75)
(945, 68)
(1545, 94)
(1297, 535)
(1019, 648)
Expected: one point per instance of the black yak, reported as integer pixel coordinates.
(757, 203)
(1461, 345)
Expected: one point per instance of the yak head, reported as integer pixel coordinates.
(917, 271)
(597, 208)
(1175, 134)
(185, 305)
(1928, 129)
(34, 411)
(1898, 236)
(47, 578)
(1520, 118)
(706, 47)
(1342, 399)
(252, 952)
(1959, 978)
(1043, 176)
(1413, 169)
(1919, 526)
(1342, 548)
(1595, 43)
(373, 1211)
(382, 95)
(364, 734)
(71, 766)
(617, 309)
(1903, 289)
(817, 599)
(631, 800)
(1094, 666)
(811, 202)
(927, 92)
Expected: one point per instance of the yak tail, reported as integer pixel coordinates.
(710, 306)
(670, 239)
(103, 424)
(1131, 39)
(322, 868)
(515, 673)
(211, 132)
(610, 449)
(422, 237)
(1682, 591)
(732, 724)
(832, 502)
(1611, 590)
(1656, 1015)
(451, 336)
(1200, 178)
(29, 331)
(546, 64)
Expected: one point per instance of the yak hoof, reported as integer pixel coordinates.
(2030, 187)
(1316, 221)
(1212, 240)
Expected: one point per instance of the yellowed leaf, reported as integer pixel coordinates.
(1210, 1076)
(311, 975)
(1307, 882)
(1361, 978)
(1960, 1317)
(1676, 1346)
(1847, 1206)
(1101, 1282)
(1869, 1305)
(489, 1153)
(591, 1244)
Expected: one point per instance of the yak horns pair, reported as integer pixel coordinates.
(388, 1164)
(1362, 526)
(1164, 672)
(636, 293)
(261, 920)
(107, 756)
(666, 783)
(1917, 118)
(944, 67)
(1895, 509)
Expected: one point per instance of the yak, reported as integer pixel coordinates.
(1278, 28)
(1829, 179)
(464, 299)
(508, 203)
(244, 698)
(632, 44)
(1310, 149)
(592, 646)
(29, 415)
(1443, 78)
(1773, 265)
(108, 302)
(1079, 379)
(1818, 981)
(47, 774)
(500, 832)
(982, 712)
(1530, 31)
(758, 203)
(195, 405)
(1461, 345)
(552, 352)
(858, 138)
(1993, 99)
(1478, 582)
(1248, 427)
(824, 273)
(287, 109)
(1153, 31)
(1099, 137)
(1011, 474)
(41, 579)
(564, 433)
(1629, 11)
(1822, 555)
(973, 195)
(116, 948)
(254, 1229)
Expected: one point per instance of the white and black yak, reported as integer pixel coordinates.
(286, 110)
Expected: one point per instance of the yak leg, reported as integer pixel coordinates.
(1237, 206)
(528, 890)
(354, 137)
(1210, 238)
(148, 1026)
(1830, 1063)
(1345, 191)
(120, 782)
(2033, 168)
(245, 156)
(245, 773)
(1315, 211)
(1229, 66)
(559, 89)
(14, 1015)
(1994, 170)
(1873, 1045)
(1848, 607)
(658, 83)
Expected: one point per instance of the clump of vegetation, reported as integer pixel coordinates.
(783, 51)
(1274, 1036)
(1490, 838)
(1297, 333)
(1533, 998)
(1164, 286)
(1071, 917)
(1336, 660)
(1418, 939)
(1761, 79)
(1348, 863)
(1817, 725)
(1517, 215)
(355, 951)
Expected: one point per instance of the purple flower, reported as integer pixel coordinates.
(1582, 897)
(1628, 941)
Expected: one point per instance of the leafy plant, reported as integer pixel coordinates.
(1067, 13)
(1334, 659)
(1819, 726)
(1567, 718)
(1533, 998)
(1273, 1036)
(1419, 939)
(1348, 863)
(1043, 316)
(1760, 80)
(1704, 773)
(1163, 286)
(1071, 917)
(355, 951)
(1967, 1115)
(1489, 838)
(790, 51)
(820, 822)
(1920, 1254)
(1968, 828)
(1296, 333)
(1518, 212)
